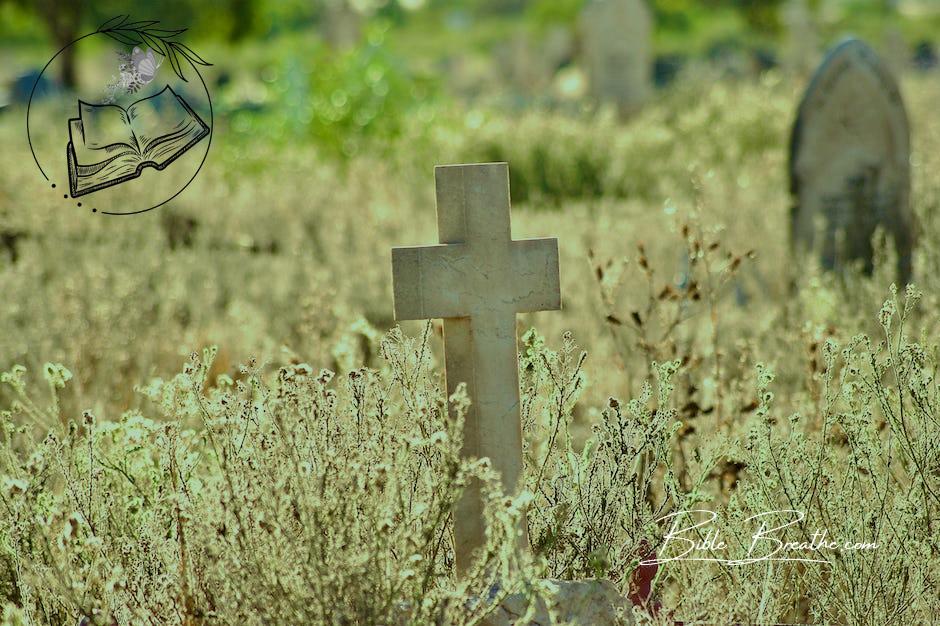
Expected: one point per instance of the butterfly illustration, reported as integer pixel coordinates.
(145, 65)
(137, 68)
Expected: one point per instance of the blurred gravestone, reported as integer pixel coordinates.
(896, 51)
(850, 161)
(802, 38)
(517, 64)
(529, 63)
(567, 82)
(618, 52)
(557, 48)
(340, 24)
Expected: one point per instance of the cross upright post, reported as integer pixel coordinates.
(476, 280)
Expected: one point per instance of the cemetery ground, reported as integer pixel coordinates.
(210, 416)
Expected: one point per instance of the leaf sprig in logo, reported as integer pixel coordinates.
(161, 40)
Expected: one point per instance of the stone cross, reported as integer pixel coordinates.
(618, 53)
(477, 279)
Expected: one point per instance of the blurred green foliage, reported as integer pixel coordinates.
(26, 20)
(361, 97)
(761, 15)
(554, 11)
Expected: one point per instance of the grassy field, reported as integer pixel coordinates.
(210, 416)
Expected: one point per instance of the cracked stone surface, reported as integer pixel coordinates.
(476, 280)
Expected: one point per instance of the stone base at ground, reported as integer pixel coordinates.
(595, 602)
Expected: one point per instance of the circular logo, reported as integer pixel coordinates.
(134, 132)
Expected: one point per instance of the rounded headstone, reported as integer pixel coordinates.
(850, 161)
(617, 47)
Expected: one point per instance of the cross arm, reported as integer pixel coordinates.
(535, 268)
(425, 281)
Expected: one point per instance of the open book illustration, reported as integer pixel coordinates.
(109, 145)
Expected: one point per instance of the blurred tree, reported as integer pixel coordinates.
(62, 19)
(243, 14)
(546, 12)
(672, 14)
(361, 97)
(484, 7)
(762, 16)
(66, 20)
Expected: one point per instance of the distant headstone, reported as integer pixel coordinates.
(801, 42)
(618, 52)
(850, 161)
(517, 64)
(529, 63)
(895, 50)
(340, 24)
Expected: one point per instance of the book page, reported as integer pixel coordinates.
(89, 159)
(123, 167)
(160, 117)
(106, 125)
(166, 148)
(94, 167)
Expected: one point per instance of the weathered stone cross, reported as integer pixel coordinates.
(477, 279)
